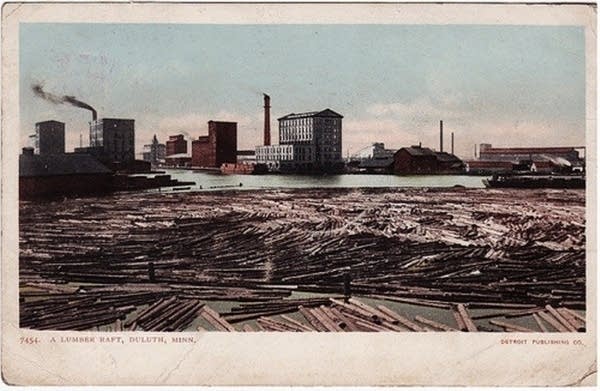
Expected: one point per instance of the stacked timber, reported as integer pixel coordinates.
(442, 248)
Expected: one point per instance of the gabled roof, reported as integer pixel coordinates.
(446, 157)
(50, 122)
(418, 151)
(323, 113)
(63, 164)
(430, 153)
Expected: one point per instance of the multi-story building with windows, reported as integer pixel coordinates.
(154, 153)
(308, 142)
(115, 137)
(176, 144)
(219, 147)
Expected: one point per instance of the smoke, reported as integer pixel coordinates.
(66, 99)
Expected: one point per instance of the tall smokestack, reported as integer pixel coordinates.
(452, 142)
(441, 136)
(267, 140)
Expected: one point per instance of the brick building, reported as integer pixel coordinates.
(419, 160)
(176, 145)
(219, 147)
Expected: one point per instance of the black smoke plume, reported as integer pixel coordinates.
(66, 99)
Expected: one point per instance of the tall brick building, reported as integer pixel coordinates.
(220, 146)
(176, 144)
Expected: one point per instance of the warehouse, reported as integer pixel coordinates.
(176, 144)
(420, 160)
(219, 147)
(487, 152)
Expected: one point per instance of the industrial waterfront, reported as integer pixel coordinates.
(290, 233)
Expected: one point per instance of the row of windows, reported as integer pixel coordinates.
(296, 122)
(295, 135)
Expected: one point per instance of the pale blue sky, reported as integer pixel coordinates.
(508, 85)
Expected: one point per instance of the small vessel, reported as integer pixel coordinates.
(536, 181)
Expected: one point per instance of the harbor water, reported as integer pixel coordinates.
(212, 181)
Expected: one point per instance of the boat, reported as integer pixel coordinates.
(536, 181)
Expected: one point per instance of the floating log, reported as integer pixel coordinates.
(511, 327)
(466, 318)
(434, 324)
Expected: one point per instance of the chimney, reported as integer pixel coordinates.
(452, 142)
(441, 136)
(267, 140)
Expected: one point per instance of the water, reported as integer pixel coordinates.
(212, 181)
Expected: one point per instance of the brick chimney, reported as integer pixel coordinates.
(267, 140)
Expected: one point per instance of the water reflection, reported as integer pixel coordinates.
(211, 181)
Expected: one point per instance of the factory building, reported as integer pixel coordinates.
(116, 138)
(419, 160)
(308, 142)
(373, 151)
(219, 147)
(176, 145)
(374, 158)
(155, 152)
(532, 159)
(49, 138)
(487, 152)
(61, 174)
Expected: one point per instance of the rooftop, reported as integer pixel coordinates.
(322, 113)
(50, 122)
(521, 150)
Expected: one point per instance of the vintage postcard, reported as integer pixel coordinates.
(298, 194)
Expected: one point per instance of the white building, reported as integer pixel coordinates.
(373, 151)
(308, 142)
